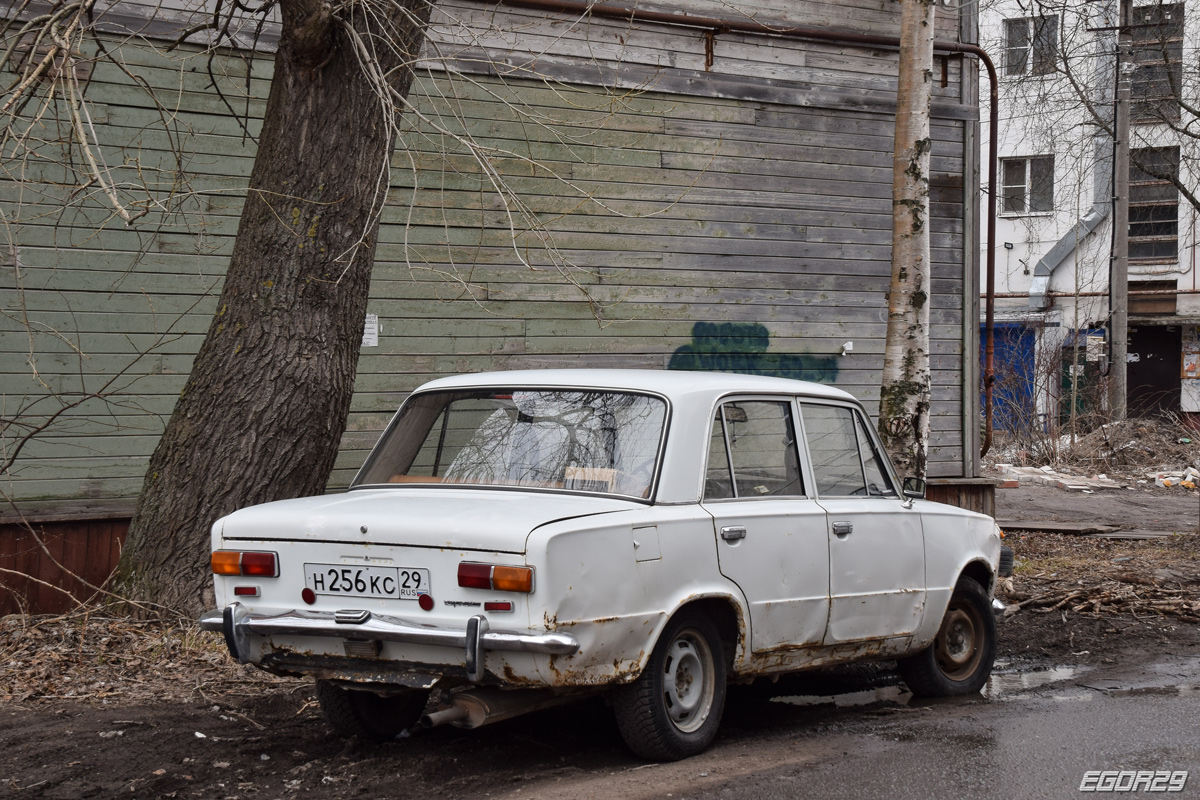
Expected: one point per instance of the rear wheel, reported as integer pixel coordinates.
(959, 660)
(377, 717)
(673, 709)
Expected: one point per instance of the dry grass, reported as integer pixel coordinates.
(92, 654)
(1152, 578)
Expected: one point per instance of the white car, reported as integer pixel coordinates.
(520, 539)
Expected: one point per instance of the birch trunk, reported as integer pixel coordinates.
(905, 396)
(263, 411)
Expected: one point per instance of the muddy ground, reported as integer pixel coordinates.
(99, 707)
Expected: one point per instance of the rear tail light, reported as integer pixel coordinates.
(496, 578)
(475, 576)
(236, 562)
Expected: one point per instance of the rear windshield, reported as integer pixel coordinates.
(590, 441)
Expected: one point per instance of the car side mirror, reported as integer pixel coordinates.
(914, 488)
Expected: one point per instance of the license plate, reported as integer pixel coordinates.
(397, 583)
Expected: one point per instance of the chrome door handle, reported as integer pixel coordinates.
(843, 528)
(732, 534)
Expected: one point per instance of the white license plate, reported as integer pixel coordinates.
(398, 583)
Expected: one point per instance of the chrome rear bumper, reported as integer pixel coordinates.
(476, 639)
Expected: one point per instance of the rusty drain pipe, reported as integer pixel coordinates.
(715, 25)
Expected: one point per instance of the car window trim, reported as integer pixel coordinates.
(859, 412)
(802, 462)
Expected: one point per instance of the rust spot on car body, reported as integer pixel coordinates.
(512, 678)
(360, 670)
(792, 658)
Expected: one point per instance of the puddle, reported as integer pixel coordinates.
(1137, 691)
(884, 694)
(1000, 685)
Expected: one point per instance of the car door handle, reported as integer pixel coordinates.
(732, 534)
(843, 528)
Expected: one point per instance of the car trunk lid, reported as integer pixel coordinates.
(494, 520)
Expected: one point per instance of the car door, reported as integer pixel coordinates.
(876, 543)
(771, 536)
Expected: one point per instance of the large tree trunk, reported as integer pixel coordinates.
(905, 395)
(263, 411)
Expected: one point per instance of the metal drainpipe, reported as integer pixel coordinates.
(716, 25)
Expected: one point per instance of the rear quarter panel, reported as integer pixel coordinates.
(614, 580)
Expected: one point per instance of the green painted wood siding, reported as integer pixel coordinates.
(761, 204)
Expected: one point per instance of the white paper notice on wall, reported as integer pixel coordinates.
(371, 331)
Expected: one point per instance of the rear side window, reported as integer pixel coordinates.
(752, 451)
(843, 454)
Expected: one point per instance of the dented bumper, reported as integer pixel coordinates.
(237, 624)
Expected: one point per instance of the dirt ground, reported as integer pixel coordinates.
(1148, 591)
(1150, 509)
(99, 707)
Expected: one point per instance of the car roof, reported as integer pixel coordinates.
(670, 383)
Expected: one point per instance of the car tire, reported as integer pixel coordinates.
(380, 718)
(959, 660)
(673, 709)
(1005, 570)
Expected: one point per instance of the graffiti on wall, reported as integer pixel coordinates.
(742, 347)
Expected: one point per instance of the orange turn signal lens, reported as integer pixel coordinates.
(512, 579)
(227, 562)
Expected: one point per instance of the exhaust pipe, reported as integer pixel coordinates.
(476, 707)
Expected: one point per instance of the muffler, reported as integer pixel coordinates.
(475, 707)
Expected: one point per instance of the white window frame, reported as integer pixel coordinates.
(1031, 198)
(1037, 53)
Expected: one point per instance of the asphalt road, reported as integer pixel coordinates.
(1038, 745)
(1037, 737)
(1036, 734)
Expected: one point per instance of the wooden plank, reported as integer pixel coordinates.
(74, 561)
(1077, 527)
(39, 511)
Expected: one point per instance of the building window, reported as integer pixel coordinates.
(1027, 185)
(1030, 45)
(1153, 204)
(1158, 57)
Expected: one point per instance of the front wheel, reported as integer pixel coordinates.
(377, 717)
(672, 711)
(959, 660)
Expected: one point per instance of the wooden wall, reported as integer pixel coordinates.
(41, 565)
(677, 199)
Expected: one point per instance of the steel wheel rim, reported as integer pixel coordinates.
(689, 681)
(958, 651)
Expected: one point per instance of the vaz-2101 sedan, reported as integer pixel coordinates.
(520, 539)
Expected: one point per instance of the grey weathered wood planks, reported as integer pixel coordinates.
(755, 194)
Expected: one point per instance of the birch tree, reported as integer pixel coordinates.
(906, 388)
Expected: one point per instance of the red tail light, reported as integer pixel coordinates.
(475, 576)
(261, 564)
(236, 562)
(497, 578)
